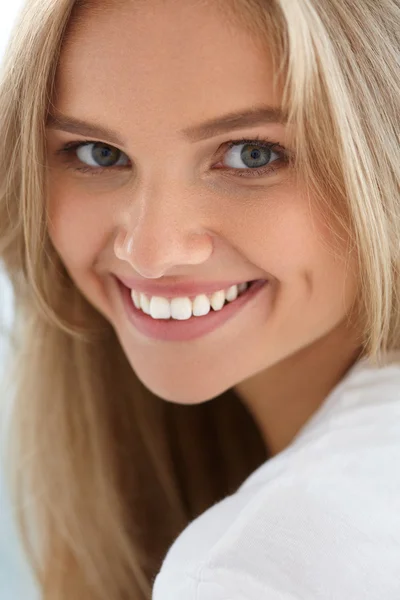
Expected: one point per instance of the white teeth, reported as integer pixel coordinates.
(232, 293)
(218, 300)
(145, 304)
(136, 298)
(201, 306)
(183, 308)
(160, 308)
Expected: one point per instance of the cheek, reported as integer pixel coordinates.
(80, 230)
(289, 240)
(276, 233)
(78, 226)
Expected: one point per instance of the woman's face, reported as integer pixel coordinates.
(161, 201)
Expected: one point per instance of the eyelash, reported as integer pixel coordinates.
(68, 149)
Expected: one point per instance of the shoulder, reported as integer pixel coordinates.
(318, 516)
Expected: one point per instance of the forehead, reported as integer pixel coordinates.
(162, 64)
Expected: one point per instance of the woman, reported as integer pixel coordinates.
(200, 218)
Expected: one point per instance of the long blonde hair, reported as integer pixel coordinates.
(103, 471)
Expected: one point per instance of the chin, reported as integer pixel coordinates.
(181, 394)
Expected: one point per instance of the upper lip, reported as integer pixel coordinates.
(178, 289)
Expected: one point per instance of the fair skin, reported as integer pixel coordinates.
(147, 71)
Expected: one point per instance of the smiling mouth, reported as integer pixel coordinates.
(183, 308)
(189, 327)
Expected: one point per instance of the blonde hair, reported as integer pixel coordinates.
(105, 467)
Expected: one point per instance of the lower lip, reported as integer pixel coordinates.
(189, 329)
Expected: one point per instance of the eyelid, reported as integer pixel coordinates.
(74, 145)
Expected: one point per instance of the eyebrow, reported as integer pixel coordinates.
(257, 115)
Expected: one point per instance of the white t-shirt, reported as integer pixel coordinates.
(318, 521)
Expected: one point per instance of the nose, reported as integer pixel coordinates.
(161, 233)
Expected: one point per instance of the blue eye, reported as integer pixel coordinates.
(101, 155)
(251, 155)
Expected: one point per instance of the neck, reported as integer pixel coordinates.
(284, 396)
